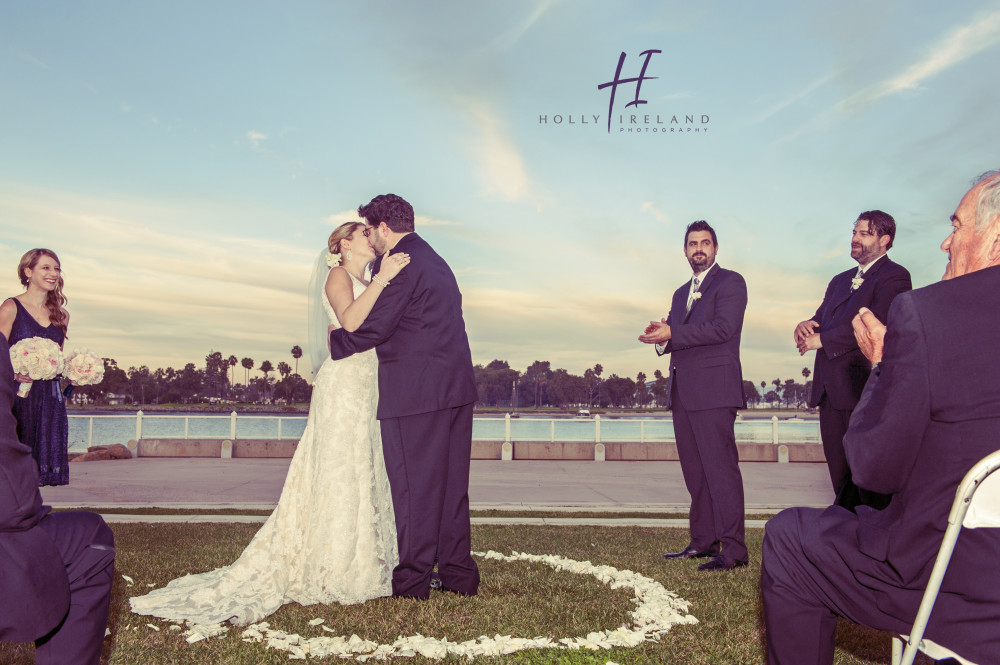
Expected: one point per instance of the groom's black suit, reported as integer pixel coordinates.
(55, 569)
(426, 393)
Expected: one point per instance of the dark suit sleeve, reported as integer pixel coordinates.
(668, 347)
(380, 323)
(839, 340)
(888, 424)
(730, 306)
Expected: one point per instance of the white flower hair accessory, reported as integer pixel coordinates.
(332, 260)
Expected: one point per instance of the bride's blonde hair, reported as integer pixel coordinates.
(342, 232)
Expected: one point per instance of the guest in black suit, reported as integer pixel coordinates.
(929, 412)
(841, 370)
(426, 393)
(55, 569)
(702, 334)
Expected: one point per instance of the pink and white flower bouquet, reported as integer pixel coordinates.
(83, 368)
(38, 358)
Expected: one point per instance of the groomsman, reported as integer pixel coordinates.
(841, 370)
(930, 411)
(56, 570)
(702, 336)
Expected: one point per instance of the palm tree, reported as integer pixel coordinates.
(247, 365)
(266, 367)
(296, 353)
(805, 372)
(284, 369)
(232, 372)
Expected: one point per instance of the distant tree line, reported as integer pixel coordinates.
(215, 382)
(499, 385)
(539, 385)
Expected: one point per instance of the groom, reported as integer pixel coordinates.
(426, 393)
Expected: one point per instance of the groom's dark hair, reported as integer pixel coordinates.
(391, 209)
(700, 225)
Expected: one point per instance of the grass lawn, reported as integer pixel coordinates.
(519, 598)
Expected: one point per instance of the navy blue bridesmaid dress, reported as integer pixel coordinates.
(41, 416)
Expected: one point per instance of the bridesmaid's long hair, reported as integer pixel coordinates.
(55, 300)
(342, 232)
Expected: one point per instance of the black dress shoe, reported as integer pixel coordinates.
(689, 553)
(720, 563)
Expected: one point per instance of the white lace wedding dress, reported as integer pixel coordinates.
(332, 538)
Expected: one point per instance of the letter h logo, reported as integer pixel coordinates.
(637, 80)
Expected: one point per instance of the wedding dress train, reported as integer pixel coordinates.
(332, 537)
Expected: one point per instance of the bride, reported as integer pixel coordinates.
(332, 537)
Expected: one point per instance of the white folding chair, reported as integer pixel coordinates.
(977, 504)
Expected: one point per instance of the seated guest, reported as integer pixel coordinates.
(929, 412)
(56, 569)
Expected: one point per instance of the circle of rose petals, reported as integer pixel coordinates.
(657, 610)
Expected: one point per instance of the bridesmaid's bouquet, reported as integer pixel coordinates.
(83, 368)
(38, 358)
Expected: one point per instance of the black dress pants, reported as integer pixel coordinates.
(87, 547)
(427, 460)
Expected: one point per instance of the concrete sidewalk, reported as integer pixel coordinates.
(212, 484)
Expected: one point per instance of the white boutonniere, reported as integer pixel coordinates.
(696, 295)
(856, 283)
(332, 260)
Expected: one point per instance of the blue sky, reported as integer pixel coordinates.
(187, 160)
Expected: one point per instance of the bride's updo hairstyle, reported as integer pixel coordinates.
(55, 300)
(342, 232)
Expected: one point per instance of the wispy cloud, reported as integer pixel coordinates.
(654, 210)
(338, 218)
(501, 167)
(256, 137)
(958, 45)
(511, 36)
(795, 97)
(145, 291)
(33, 60)
(342, 217)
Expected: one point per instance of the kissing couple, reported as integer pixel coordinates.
(378, 487)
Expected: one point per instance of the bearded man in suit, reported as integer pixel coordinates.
(929, 412)
(56, 570)
(841, 370)
(702, 335)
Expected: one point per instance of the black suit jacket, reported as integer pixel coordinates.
(417, 329)
(705, 342)
(34, 591)
(841, 370)
(929, 413)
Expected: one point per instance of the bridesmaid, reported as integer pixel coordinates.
(39, 312)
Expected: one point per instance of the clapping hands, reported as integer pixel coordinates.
(657, 332)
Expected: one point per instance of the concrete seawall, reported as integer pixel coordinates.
(482, 450)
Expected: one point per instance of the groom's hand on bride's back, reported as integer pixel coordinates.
(392, 264)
